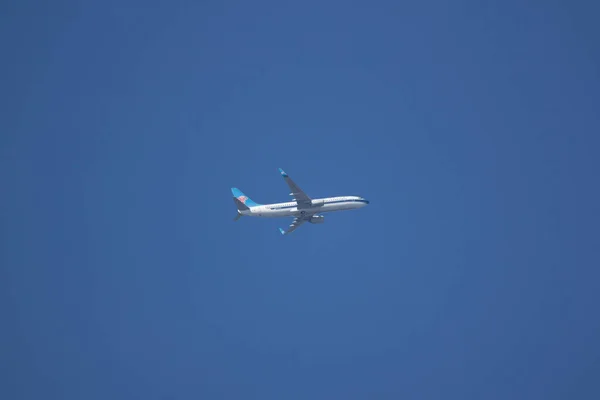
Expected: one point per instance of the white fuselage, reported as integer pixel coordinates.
(317, 206)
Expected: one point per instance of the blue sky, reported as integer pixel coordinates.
(472, 127)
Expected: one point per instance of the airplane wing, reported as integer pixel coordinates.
(297, 222)
(298, 194)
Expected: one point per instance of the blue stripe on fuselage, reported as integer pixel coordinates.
(328, 202)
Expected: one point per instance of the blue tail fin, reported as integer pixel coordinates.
(237, 193)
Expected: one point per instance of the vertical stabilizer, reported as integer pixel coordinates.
(246, 201)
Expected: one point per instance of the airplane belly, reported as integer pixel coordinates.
(283, 213)
(334, 207)
(337, 207)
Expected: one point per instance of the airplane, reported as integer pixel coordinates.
(302, 208)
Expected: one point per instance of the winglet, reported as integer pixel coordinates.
(282, 231)
(283, 173)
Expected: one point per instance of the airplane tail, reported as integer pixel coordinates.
(238, 216)
(242, 202)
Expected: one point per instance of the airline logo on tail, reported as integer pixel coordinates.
(242, 198)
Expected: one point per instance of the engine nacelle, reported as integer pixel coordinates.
(317, 219)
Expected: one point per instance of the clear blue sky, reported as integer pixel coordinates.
(472, 127)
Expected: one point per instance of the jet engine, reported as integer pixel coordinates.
(317, 219)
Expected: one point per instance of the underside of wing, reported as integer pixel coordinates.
(298, 194)
(297, 222)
